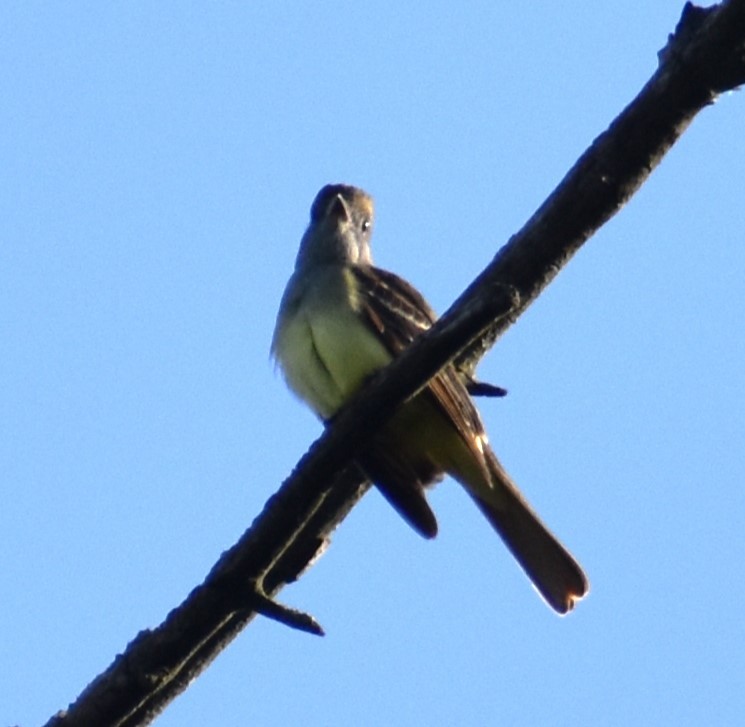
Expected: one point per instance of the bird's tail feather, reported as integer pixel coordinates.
(554, 572)
(402, 485)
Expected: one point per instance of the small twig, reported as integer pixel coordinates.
(292, 617)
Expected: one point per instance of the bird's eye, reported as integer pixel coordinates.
(366, 224)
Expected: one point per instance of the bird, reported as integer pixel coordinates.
(340, 320)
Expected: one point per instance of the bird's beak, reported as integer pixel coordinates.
(338, 210)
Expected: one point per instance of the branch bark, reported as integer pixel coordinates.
(703, 58)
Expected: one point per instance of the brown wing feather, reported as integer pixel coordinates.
(393, 306)
(400, 314)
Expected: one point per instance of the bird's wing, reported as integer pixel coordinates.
(399, 313)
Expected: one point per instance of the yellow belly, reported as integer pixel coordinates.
(325, 349)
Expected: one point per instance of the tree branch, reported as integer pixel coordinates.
(704, 57)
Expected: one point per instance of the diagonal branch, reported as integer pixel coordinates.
(704, 57)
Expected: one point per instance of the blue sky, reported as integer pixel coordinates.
(157, 166)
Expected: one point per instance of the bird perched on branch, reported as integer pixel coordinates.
(340, 320)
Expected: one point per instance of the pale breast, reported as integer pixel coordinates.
(325, 350)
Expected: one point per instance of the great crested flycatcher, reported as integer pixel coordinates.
(340, 320)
